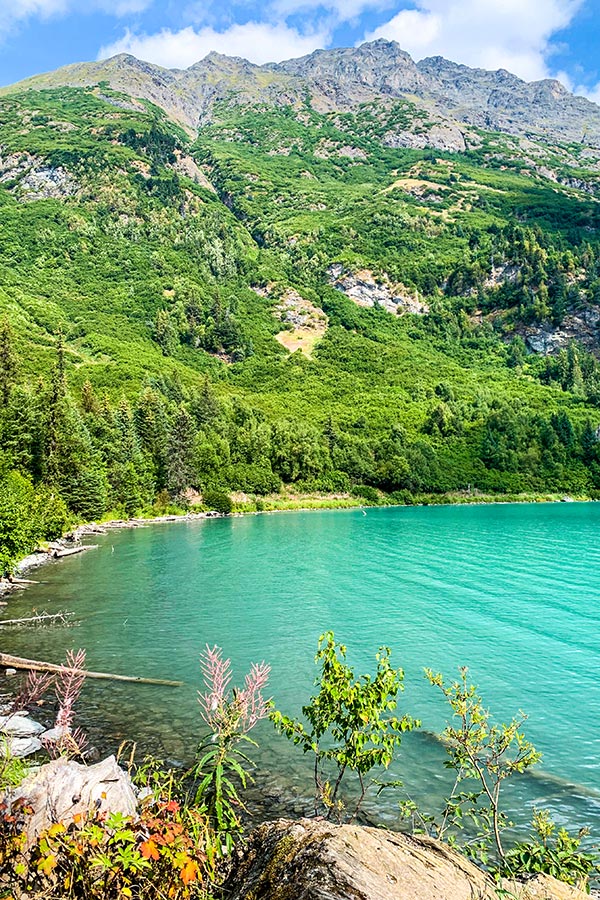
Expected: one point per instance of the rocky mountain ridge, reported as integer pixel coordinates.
(341, 79)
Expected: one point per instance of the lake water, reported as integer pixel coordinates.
(512, 591)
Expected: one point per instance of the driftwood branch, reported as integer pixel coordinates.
(60, 554)
(35, 620)
(32, 665)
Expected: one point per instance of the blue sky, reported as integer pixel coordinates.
(533, 38)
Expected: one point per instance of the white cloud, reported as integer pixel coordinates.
(490, 34)
(19, 11)
(25, 9)
(260, 42)
(582, 90)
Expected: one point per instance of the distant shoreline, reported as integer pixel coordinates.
(72, 540)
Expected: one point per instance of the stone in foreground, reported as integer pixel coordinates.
(314, 860)
(62, 789)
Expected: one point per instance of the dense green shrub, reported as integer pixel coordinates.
(217, 500)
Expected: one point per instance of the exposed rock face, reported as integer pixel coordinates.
(439, 137)
(305, 323)
(314, 860)
(347, 76)
(329, 150)
(366, 290)
(186, 165)
(33, 179)
(502, 102)
(341, 79)
(62, 789)
(582, 326)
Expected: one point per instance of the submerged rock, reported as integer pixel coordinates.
(312, 859)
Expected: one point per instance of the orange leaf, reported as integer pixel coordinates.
(149, 850)
(190, 872)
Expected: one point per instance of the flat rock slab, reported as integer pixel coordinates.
(20, 746)
(20, 725)
(62, 789)
(312, 859)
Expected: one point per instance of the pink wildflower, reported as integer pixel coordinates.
(69, 683)
(236, 711)
(33, 689)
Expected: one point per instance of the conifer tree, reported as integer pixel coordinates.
(180, 474)
(8, 362)
(205, 406)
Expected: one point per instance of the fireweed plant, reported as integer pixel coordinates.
(68, 682)
(68, 685)
(230, 713)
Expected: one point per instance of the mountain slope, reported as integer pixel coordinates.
(340, 79)
(294, 295)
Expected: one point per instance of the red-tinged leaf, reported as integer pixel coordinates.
(190, 872)
(149, 850)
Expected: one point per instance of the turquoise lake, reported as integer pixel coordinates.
(511, 591)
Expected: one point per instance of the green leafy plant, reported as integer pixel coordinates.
(166, 849)
(219, 501)
(222, 767)
(481, 753)
(12, 769)
(349, 726)
(554, 852)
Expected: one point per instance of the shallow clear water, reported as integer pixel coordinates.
(512, 591)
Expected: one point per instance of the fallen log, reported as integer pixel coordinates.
(43, 617)
(33, 665)
(60, 554)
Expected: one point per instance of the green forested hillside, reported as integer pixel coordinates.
(153, 285)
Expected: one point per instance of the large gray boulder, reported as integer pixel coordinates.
(62, 789)
(312, 859)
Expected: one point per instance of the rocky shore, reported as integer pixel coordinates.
(311, 859)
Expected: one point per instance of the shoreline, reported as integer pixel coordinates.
(71, 542)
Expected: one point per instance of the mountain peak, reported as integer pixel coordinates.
(341, 79)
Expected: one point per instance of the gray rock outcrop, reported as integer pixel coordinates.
(30, 178)
(366, 290)
(62, 789)
(312, 859)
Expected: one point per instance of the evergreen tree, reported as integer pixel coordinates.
(8, 362)
(589, 443)
(89, 401)
(180, 466)
(152, 428)
(129, 474)
(204, 405)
